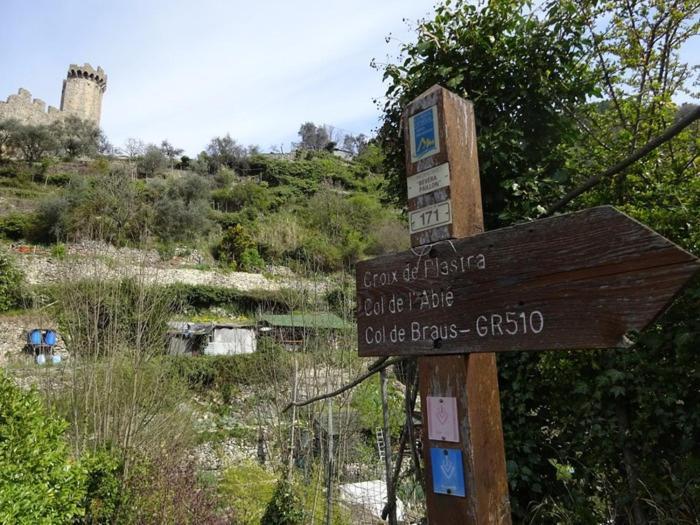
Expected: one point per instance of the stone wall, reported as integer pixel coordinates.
(81, 96)
(28, 110)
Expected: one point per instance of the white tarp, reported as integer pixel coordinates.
(231, 341)
(370, 495)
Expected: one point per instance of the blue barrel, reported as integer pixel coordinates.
(50, 338)
(34, 337)
(55, 359)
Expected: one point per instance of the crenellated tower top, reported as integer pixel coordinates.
(86, 71)
(82, 92)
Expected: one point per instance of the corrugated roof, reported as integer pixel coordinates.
(306, 320)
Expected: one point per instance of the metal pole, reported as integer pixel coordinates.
(329, 481)
(390, 493)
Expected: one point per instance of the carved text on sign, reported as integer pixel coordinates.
(580, 280)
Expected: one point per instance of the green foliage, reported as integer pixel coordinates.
(249, 488)
(591, 437)
(181, 208)
(284, 507)
(11, 282)
(519, 71)
(234, 243)
(39, 482)
(226, 152)
(76, 137)
(250, 260)
(367, 401)
(151, 162)
(247, 194)
(215, 372)
(104, 490)
(58, 250)
(33, 142)
(201, 297)
(15, 226)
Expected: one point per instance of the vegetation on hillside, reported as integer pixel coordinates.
(562, 90)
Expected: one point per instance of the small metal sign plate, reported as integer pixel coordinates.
(428, 180)
(442, 419)
(448, 472)
(429, 217)
(425, 139)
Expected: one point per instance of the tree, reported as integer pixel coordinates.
(7, 131)
(313, 137)
(520, 70)
(152, 161)
(225, 151)
(35, 142)
(170, 152)
(355, 144)
(134, 148)
(39, 481)
(77, 137)
(561, 94)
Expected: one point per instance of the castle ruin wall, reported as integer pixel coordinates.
(26, 110)
(81, 96)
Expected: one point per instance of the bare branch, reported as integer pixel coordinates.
(380, 364)
(625, 163)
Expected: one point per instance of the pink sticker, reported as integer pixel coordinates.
(442, 419)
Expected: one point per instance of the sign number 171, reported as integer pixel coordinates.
(430, 217)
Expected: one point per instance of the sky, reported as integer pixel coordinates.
(187, 71)
(191, 70)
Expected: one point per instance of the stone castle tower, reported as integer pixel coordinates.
(82, 92)
(81, 96)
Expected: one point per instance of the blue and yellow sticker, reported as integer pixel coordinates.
(423, 129)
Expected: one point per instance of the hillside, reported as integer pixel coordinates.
(221, 246)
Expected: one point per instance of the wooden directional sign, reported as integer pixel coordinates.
(581, 280)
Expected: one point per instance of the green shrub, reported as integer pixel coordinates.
(103, 486)
(234, 243)
(57, 179)
(285, 507)
(39, 482)
(11, 282)
(214, 371)
(251, 260)
(247, 194)
(58, 250)
(201, 297)
(15, 226)
(249, 488)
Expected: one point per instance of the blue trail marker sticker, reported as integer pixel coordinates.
(425, 139)
(448, 473)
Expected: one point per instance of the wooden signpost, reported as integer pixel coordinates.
(577, 281)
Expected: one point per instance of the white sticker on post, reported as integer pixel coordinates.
(428, 180)
(442, 419)
(430, 217)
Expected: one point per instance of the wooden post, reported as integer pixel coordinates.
(444, 202)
